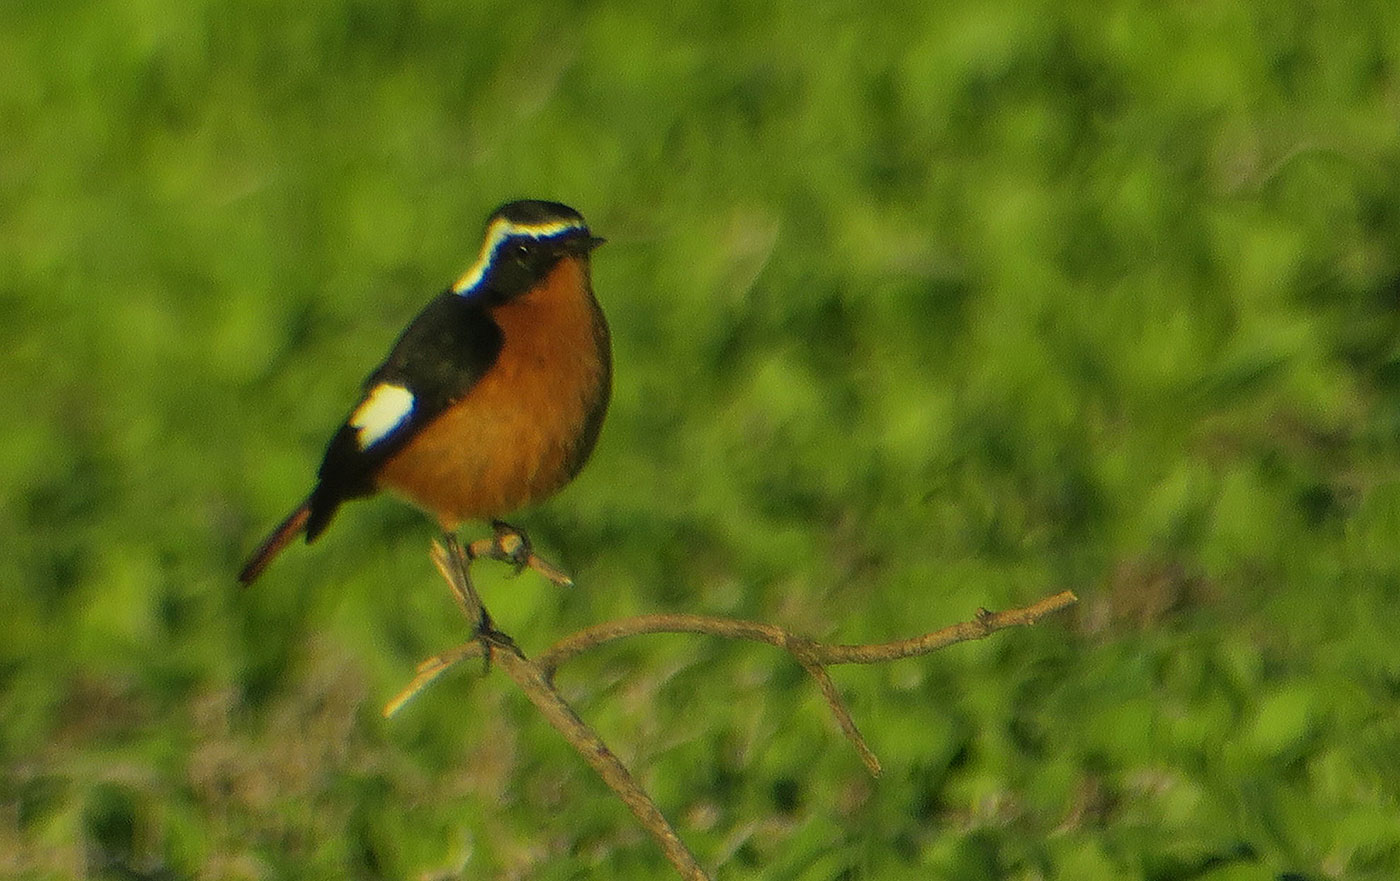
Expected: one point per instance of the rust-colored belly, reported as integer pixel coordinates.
(526, 428)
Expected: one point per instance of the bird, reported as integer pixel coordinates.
(491, 399)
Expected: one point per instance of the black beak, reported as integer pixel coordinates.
(580, 246)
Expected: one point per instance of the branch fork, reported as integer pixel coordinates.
(536, 677)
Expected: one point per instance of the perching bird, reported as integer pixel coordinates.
(493, 396)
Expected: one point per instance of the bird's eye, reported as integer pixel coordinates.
(522, 252)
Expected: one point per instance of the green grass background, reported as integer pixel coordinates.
(918, 307)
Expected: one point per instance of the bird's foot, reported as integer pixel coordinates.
(511, 545)
(492, 639)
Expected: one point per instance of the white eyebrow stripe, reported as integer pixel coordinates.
(500, 230)
(384, 409)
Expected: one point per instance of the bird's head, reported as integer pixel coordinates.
(523, 242)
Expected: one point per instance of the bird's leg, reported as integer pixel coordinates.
(511, 545)
(470, 601)
(462, 587)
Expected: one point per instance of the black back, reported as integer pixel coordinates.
(441, 355)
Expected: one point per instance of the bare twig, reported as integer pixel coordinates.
(535, 678)
(541, 691)
(546, 698)
(805, 650)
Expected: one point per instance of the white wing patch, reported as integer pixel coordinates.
(384, 409)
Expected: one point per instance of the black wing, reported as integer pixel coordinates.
(438, 358)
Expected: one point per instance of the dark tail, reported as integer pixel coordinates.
(286, 531)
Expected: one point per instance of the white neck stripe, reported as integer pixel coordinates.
(502, 229)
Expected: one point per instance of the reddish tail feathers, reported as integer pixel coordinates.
(286, 531)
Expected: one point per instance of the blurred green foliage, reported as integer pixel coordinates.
(918, 307)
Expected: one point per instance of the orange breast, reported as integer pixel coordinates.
(528, 425)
